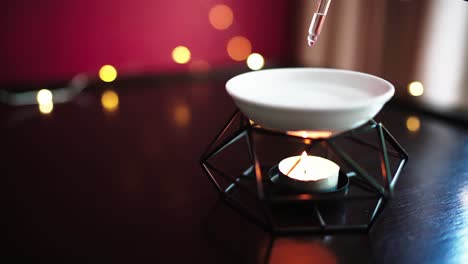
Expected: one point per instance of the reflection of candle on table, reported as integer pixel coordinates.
(309, 173)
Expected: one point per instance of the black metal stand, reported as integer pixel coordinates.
(284, 212)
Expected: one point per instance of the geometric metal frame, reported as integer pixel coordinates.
(263, 215)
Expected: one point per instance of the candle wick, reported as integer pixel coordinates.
(305, 172)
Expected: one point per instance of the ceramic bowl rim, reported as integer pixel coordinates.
(374, 100)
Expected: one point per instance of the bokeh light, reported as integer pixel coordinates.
(46, 108)
(199, 66)
(221, 17)
(181, 54)
(413, 124)
(110, 101)
(239, 48)
(255, 61)
(182, 115)
(416, 89)
(107, 73)
(44, 96)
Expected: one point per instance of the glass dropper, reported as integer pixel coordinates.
(317, 21)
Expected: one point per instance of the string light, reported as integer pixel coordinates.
(413, 124)
(110, 101)
(255, 61)
(44, 96)
(416, 89)
(182, 115)
(181, 54)
(46, 108)
(221, 17)
(107, 73)
(239, 48)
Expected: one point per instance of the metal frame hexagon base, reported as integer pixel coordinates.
(264, 197)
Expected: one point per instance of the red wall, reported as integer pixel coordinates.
(56, 39)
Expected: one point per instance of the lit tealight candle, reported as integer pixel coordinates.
(309, 173)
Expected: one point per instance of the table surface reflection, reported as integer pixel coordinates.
(87, 183)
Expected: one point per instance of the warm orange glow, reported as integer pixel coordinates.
(182, 115)
(108, 73)
(304, 196)
(239, 48)
(416, 89)
(413, 124)
(310, 134)
(199, 66)
(221, 17)
(181, 55)
(46, 108)
(110, 101)
(255, 61)
(296, 250)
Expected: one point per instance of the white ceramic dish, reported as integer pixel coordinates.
(309, 99)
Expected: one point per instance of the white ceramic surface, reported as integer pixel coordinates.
(309, 99)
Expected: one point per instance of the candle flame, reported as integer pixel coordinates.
(299, 160)
(304, 154)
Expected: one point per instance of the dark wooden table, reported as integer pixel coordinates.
(87, 186)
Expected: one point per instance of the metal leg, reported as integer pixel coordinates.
(360, 171)
(229, 141)
(222, 131)
(377, 210)
(384, 164)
